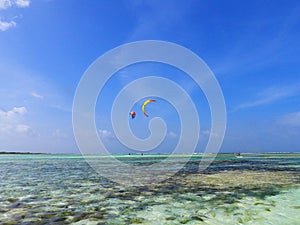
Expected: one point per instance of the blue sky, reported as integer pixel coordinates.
(252, 47)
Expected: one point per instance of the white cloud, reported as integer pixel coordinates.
(12, 113)
(59, 134)
(209, 133)
(36, 95)
(172, 134)
(11, 129)
(22, 3)
(105, 133)
(271, 95)
(11, 122)
(206, 132)
(24, 129)
(6, 25)
(19, 110)
(5, 4)
(291, 119)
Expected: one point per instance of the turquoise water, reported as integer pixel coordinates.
(64, 189)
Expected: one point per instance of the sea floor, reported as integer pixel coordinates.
(64, 189)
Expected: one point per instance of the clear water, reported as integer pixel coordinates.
(63, 189)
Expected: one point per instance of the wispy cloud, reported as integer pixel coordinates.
(105, 134)
(62, 108)
(172, 134)
(30, 85)
(152, 16)
(24, 129)
(59, 134)
(209, 133)
(36, 95)
(291, 119)
(247, 54)
(5, 5)
(16, 129)
(271, 95)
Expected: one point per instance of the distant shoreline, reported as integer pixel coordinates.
(23, 153)
(244, 154)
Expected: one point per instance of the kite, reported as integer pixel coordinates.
(132, 114)
(144, 105)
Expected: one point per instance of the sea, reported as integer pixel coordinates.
(65, 189)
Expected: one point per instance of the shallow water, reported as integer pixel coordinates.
(64, 189)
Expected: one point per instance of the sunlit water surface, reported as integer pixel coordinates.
(64, 189)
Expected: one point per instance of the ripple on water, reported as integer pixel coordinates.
(60, 190)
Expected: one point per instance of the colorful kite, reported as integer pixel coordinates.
(144, 105)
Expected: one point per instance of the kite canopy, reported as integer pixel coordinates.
(146, 103)
(132, 114)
